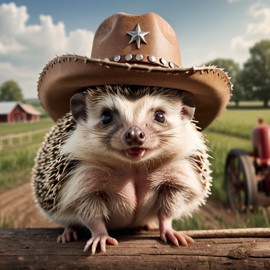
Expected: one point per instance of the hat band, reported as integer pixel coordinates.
(137, 58)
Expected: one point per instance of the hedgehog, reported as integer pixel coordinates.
(123, 157)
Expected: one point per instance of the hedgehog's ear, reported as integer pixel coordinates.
(188, 108)
(78, 106)
(187, 112)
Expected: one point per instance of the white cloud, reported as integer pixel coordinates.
(12, 19)
(25, 49)
(254, 32)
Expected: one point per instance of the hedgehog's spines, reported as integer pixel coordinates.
(51, 168)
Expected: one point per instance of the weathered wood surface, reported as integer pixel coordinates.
(222, 249)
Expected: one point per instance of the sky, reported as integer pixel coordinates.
(33, 32)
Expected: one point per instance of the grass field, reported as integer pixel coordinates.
(239, 123)
(15, 128)
(231, 130)
(16, 161)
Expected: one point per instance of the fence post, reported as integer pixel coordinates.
(19, 139)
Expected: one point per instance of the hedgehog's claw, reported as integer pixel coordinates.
(102, 239)
(68, 234)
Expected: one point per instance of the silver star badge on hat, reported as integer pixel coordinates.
(137, 36)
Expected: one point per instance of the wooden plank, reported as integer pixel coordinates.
(37, 249)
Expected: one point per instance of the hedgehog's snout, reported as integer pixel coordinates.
(135, 136)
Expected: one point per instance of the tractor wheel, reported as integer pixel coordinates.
(240, 181)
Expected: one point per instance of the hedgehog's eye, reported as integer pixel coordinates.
(159, 116)
(106, 117)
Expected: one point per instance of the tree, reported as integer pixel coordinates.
(256, 72)
(10, 91)
(233, 70)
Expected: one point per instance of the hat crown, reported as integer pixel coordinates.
(157, 42)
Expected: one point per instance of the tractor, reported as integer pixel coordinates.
(247, 174)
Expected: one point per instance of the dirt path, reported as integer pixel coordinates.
(18, 206)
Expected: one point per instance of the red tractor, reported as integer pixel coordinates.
(246, 174)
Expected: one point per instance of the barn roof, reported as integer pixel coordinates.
(29, 109)
(7, 106)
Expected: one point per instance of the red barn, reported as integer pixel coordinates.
(17, 112)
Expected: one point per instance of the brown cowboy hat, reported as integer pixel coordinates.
(133, 50)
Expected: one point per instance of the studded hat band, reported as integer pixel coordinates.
(140, 58)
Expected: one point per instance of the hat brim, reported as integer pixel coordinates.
(65, 75)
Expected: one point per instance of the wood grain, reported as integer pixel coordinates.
(37, 249)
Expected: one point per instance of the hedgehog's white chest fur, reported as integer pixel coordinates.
(126, 195)
(132, 195)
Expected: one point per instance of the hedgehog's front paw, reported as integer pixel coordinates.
(102, 239)
(177, 238)
(68, 234)
(167, 232)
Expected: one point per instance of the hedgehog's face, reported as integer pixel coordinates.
(130, 127)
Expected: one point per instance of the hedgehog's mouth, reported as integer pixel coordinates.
(135, 152)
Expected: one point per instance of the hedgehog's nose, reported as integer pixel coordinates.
(135, 136)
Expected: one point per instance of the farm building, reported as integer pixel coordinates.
(12, 111)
